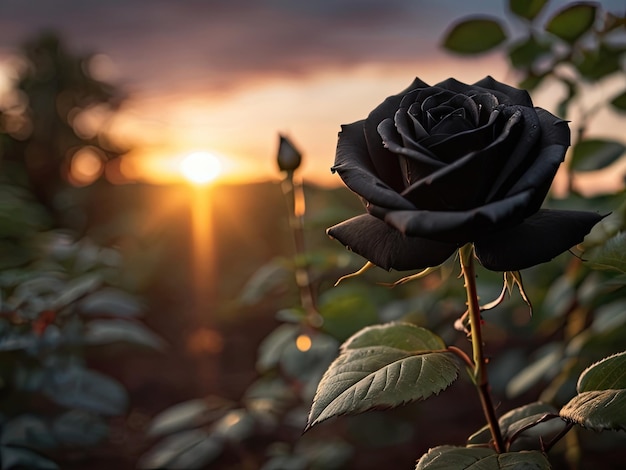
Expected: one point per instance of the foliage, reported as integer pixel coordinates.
(62, 296)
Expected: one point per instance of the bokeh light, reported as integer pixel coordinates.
(86, 166)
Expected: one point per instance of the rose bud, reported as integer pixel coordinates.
(289, 157)
(441, 166)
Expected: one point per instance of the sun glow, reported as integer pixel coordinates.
(201, 167)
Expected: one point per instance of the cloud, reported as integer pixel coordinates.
(219, 44)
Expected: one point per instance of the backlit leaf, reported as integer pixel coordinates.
(573, 21)
(601, 400)
(474, 36)
(598, 410)
(383, 366)
(465, 458)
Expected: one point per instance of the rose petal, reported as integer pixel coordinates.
(386, 166)
(386, 247)
(465, 183)
(450, 148)
(419, 162)
(505, 93)
(357, 171)
(457, 226)
(541, 237)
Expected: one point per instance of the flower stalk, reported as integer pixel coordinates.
(480, 376)
(294, 193)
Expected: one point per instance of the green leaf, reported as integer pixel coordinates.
(573, 21)
(102, 332)
(525, 53)
(188, 450)
(17, 457)
(383, 366)
(611, 255)
(600, 62)
(527, 9)
(531, 81)
(346, 309)
(598, 410)
(188, 414)
(462, 458)
(601, 400)
(235, 426)
(272, 347)
(595, 154)
(110, 302)
(80, 428)
(609, 373)
(474, 36)
(619, 102)
(28, 431)
(86, 390)
(513, 421)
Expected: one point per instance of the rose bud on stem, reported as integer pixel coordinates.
(289, 159)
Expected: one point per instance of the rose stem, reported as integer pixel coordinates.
(480, 371)
(296, 204)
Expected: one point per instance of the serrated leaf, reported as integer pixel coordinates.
(598, 410)
(512, 421)
(465, 458)
(572, 22)
(383, 366)
(188, 450)
(601, 400)
(527, 9)
(609, 373)
(474, 36)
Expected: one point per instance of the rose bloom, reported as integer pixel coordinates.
(441, 166)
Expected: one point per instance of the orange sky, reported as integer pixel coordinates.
(228, 76)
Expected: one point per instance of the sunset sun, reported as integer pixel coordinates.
(200, 167)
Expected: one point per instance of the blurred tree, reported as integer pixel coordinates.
(48, 120)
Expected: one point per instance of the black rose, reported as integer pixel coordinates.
(441, 166)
